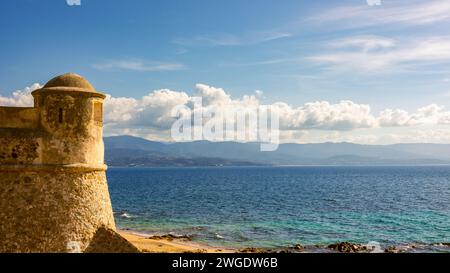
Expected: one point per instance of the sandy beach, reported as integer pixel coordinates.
(164, 244)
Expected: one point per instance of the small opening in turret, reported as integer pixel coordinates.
(60, 115)
(98, 112)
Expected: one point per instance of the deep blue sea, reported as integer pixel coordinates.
(282, 206)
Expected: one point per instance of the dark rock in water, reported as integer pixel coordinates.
(446, 244)
(198, 251)
(170, 237)
(275, 250)
(407, 248)
(253, 250)
(298, 247)
(391, 249)
(346, 247)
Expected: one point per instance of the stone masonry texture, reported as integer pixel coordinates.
(53, 190)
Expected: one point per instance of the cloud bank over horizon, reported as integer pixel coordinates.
(319, 121)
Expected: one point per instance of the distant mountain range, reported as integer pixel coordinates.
(134, 151)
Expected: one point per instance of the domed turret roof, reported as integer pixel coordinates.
(69, 82)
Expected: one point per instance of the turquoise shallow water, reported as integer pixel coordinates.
(281, 206)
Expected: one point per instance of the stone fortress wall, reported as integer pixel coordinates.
(53, 190)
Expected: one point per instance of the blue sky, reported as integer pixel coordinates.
(390, 56)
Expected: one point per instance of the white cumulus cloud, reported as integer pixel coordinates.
(20, 98)
(151, 115)
(345, 115)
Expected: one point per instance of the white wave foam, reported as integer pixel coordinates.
(126, 215)
(376, 247)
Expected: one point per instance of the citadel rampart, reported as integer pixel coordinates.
(53, 191)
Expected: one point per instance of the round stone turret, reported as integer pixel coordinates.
(53, 190)
(71, 112)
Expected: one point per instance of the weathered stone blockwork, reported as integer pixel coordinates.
(48, 211)
(53, 190)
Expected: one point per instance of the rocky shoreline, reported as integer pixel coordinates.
(348, 247)
(185, 243)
